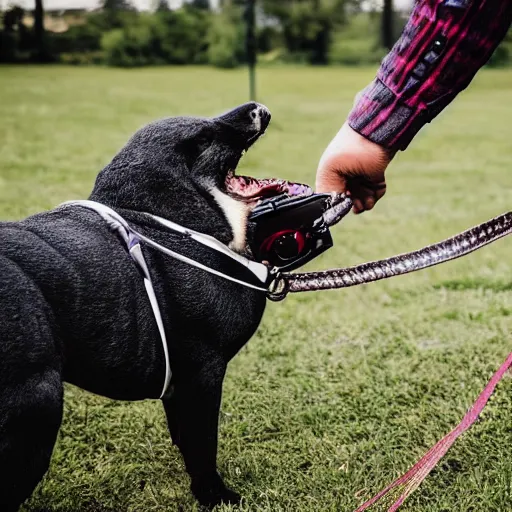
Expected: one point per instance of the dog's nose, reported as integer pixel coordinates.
(260, 117)
(248, 118)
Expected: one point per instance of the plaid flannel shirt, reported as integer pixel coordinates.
(443, 45)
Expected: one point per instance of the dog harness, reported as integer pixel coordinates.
(276, 284)
(133, 239)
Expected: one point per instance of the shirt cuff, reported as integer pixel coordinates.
(381, 117)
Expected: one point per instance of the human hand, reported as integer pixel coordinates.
(354, 165)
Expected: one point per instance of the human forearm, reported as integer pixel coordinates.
(443, 45)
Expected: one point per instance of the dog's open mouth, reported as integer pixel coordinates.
(252, 190)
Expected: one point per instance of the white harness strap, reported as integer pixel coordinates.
(132, 240)
(136, 253)
(118, 224)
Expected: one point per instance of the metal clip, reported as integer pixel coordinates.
(278, 288)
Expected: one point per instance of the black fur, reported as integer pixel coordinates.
(73, 306)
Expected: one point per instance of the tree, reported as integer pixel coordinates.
(200, 4)
(117, 5)
(115, 12)
(306, 25)
(162, 6)
(12, 34)
(13, 19)
(387, 31)
(226, 38)
(182, 36)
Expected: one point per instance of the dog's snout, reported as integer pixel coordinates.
(260, 117)
(249, 117)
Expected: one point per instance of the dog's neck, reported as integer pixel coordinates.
(201, 208)
(236, 213)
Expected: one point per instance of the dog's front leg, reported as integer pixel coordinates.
(192, 416)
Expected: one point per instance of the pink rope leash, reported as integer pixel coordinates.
(413, 478)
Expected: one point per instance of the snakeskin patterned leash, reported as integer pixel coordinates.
(449, 249)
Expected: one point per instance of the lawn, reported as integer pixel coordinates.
(338, 392)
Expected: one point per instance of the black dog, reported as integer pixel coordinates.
(73, 305)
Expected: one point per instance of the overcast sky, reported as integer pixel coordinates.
(140, 4)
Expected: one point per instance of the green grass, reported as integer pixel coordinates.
(338, 392)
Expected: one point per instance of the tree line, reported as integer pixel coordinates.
(305, 31)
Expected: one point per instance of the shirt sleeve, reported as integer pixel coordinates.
(443, 45)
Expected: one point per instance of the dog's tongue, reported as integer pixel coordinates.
(252, 189)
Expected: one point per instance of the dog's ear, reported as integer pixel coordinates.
(191, 148)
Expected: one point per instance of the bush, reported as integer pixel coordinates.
(226, 39)
(79, 38)
(183, 35)
(502, 56)
(174, 37)
(358, 42)
(268, 39)
(306, 28)
(355, 52)
(8, 46)
(129, 46)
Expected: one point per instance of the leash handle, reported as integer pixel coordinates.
(417, 473)
(338, 207)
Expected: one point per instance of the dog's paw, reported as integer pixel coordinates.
(212, 491)
(231, 497)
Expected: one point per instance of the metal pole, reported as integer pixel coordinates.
(250, 41)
